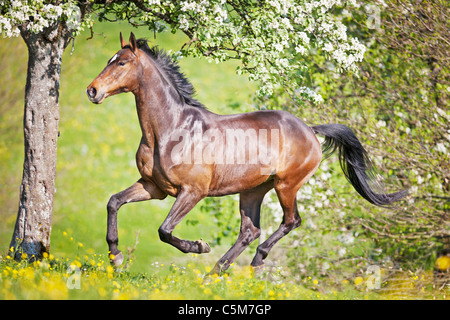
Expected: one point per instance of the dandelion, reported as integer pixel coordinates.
(28, 274)
(101, 292)
(358, 281)
(110, 271)
(207, 291)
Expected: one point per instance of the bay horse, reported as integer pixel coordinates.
(173, 159)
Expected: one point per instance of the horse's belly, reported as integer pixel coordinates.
(236, 179)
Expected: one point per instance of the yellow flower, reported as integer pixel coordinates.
(442, 263)
(29, 274)
(315, 282)
(24, 255)
(358, 281)
(207, 291)
(101, 292)
(110, 271)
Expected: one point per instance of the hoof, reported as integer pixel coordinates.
(116, 260)
(203, 246)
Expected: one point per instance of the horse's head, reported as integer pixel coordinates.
(120, 74)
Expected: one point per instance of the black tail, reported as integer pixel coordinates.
(356, 164)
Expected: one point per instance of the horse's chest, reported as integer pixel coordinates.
(150, 168)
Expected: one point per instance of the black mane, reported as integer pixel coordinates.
(172, 70)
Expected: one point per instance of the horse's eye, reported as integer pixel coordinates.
(121, 63)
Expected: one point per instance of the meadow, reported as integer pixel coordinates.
(96, 151)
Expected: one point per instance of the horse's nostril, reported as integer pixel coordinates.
(92, 92)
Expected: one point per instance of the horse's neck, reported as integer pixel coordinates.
(159, 106)
(157, 110)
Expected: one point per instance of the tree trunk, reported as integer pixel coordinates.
(41, 119)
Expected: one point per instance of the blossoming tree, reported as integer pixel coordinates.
(272, 40)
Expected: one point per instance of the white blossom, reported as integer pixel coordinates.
(380, 124)
(184, 22)
(440, 147)
(188, 6)
(273, 41)
(301, 49)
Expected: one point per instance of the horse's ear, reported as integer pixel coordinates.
(123, 43)
(133, 43)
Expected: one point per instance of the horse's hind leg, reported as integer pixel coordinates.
(291, 220)
(140, 191)
(250, 209)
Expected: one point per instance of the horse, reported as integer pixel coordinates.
(189, 152)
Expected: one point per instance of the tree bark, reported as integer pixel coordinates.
(41, 120)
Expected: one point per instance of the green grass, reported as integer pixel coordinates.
(91, 277)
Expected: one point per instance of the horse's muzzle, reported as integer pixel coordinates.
(93, 95)
(91, 92)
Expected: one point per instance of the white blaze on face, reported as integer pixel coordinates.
(113, 59)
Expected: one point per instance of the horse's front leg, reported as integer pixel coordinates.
(187, 198)
(140, 191)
